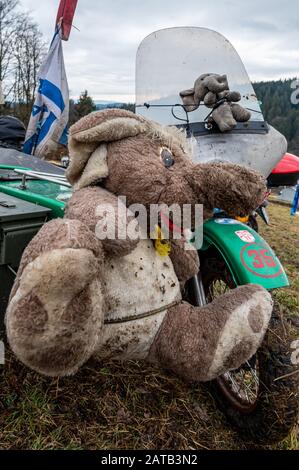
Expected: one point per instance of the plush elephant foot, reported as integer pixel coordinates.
(201, 343)
(224, 118)
(55, 314)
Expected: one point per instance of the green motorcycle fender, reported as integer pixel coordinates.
(248, 256)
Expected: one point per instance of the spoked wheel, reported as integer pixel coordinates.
(261, 397)
(242, 385)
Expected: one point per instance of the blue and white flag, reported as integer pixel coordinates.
(48, 122)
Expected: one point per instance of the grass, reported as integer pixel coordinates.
(132, 406)
(283, 236)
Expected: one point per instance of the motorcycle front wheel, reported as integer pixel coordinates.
(261, 398)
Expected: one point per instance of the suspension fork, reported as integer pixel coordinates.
(199, 293)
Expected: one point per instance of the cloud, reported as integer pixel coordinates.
(101, 57)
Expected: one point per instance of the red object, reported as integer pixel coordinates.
(65, 15)
(288, 164)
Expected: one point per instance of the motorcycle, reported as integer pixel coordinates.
(260, 398)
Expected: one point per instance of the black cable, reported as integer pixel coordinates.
(174, 115)
(217, 104)
(147, 105)
(254, 110)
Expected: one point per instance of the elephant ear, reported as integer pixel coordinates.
(216, 83)
(188, 98)
(88, 141)
(188, 92)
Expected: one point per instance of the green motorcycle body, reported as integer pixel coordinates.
(248, 256)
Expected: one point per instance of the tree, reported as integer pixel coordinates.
(9, 19)
(85, 105)
(29, 52)
(73, 114)
(21, 54)
(129, 107)
(278, 109)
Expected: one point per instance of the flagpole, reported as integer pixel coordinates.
(38, 129)
(66, 12)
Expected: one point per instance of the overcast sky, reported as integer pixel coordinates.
(101, 56)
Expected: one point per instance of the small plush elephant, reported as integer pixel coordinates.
(78, 294)
(213, 90)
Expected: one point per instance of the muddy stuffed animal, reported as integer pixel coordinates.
(213, 90)
(78, 294)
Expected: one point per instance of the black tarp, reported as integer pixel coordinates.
(14, 158)
(283, 179)
(12, 131)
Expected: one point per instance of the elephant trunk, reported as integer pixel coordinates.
(233, 188)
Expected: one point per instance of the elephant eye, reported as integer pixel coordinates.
(167, 157)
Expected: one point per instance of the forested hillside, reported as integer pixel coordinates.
(278, 109)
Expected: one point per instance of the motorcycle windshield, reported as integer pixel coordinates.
(170, 60)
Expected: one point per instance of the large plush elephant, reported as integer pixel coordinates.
(77, 296)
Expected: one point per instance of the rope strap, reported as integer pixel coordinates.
(142, 315)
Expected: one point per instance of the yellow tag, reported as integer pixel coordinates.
(162, 246)
(243, 219)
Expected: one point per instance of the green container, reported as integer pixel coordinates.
(51, 195)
